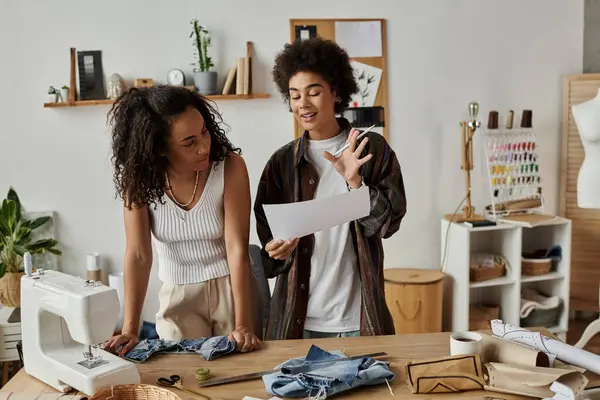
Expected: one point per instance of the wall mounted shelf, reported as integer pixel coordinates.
(83, 103)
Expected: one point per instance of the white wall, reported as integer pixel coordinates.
(505, 54)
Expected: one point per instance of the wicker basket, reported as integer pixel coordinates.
(543, 318)
(10, 289)
(481, 315)
(478, 273)
(535, 266)
(135, 392)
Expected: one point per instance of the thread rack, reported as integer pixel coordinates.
(513, 169)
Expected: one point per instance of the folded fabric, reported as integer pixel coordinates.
(322, 374)
(450, 374)
(532, 381)
(531, 300)
(209, 348)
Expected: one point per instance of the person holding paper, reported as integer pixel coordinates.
(185, 186)
(330, 283)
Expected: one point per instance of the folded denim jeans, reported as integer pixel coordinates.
(209, 348)
(322, 374)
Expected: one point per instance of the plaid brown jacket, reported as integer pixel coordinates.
(289, 177)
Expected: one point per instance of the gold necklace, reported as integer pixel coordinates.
(173, 196)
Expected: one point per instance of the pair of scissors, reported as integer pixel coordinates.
(176, 382)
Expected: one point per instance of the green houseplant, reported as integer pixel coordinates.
(16, 238)
(205, 80)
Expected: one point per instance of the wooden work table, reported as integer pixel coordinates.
(400, 349)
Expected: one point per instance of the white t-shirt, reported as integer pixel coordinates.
(334, 298)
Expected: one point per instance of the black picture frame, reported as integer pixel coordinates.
(91, 75)
(303, 30)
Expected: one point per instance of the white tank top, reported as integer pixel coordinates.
(190, 244)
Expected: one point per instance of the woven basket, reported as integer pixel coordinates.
(135, 392)
(483, 273)
(535, 266)
(10, 289)
(481, 315)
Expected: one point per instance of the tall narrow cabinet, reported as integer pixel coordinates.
(459, 243)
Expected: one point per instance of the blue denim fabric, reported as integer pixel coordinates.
(209, 348)
(323, 374)
(148, 331)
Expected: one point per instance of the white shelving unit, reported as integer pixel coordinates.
(460, 241)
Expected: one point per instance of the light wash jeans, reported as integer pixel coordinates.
(322, 374)
(209, 348)
(324, 335)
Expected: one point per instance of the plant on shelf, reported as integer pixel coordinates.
(205, 80)
(16, 233)
(64, 93)
(52, 94)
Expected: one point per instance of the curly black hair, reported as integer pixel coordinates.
(319, 56)
(140, 122)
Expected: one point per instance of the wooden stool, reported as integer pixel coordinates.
(415, 298)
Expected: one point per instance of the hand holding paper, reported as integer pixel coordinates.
(294, 220)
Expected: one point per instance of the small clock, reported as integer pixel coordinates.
(176, 77)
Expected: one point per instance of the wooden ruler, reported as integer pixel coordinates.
(256, 375)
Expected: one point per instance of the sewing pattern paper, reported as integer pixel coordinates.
(552, 347)
(292, 220)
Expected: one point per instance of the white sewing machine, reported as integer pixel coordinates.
(64, 321)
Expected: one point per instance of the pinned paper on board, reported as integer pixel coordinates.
(359, 38)
(305, 31)
(368, 79)
(295, 220)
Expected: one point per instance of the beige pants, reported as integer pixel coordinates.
(196, 310)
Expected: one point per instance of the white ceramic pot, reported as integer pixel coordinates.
(64, 94)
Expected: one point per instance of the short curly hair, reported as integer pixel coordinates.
(320, 56)
(140, 122)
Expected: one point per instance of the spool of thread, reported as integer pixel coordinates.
(202, 374)
(509, 120)
(27, 263)
(94, 272)
(493, 120)
(526, 119)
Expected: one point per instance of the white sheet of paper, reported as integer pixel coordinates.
(359, 38)
(292, 220)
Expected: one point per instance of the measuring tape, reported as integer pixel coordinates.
(255, 375)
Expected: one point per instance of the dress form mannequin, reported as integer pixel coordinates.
(587, 119)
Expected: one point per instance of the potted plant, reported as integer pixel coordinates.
(205, 80)
(15, 240)
(52, 94)
(64, 94)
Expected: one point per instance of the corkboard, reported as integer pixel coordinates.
(585, 246)
(326, 28)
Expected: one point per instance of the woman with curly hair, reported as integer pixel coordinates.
(186, 189)
(329, 284)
